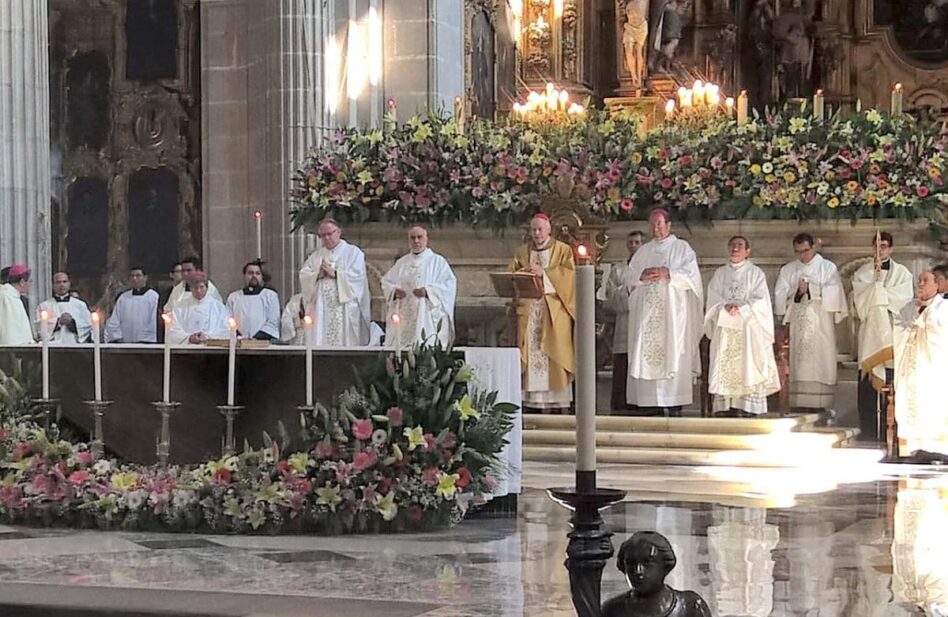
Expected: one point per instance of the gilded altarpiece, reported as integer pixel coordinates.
(125, 135)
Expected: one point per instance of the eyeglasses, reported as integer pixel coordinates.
(326, 234)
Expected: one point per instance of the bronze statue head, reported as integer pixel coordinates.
(646, 558)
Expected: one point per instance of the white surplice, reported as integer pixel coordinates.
(664, 325)
(876, 303)
(743, 370)
(616, 296)
(255, 312)
(420, 318)
(340, 304)
(180, 291)
(921, 364)
(15, 327)
(292, 330)
(134, 318)
(82, 320)
(812, 328)
(191, 316)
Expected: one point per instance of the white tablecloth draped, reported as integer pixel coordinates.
(498, 368)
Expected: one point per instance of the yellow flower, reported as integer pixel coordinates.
(375, 137)
(386, 506)
(364, 177)
(422, 133)
(770, 177)
(934, 172)
(329, 496)
(830, 175)
(465, 407)
(874, 116)
(852, 185)
(446, 485)
(789, 176)
(870, 199)
(636, 158)
(298, 462)
(755, 169)
(832, 203)
(613, 194)
(125, 480)
(415, 437)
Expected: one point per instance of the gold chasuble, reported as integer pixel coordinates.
(545, 326)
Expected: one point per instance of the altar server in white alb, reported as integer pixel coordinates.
(70, 317)
(133, 317)
(740, 323)
(15, 327)
(182, 289)
(255, 307)
(335, 284)
(881, 289)
(809, 296)
(665, 301)
(199, 316)
(292, 328)
(420, 288)
(921, 359)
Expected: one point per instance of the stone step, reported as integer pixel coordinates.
(717, 426)
(774, 457)
(702, 441)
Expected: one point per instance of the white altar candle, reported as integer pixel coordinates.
(897, 100)
(231, 359)
(166, 390)
(397, 334)
(742, 107)
(818, 102)
(258, 216)
(44, 336)
(585, 363)
(308, 326)
(96, 355)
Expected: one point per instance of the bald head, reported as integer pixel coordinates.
(417, 239)
(330, 233)
(540, 230)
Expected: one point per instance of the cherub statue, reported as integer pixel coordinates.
(646, 559)
(634, 37)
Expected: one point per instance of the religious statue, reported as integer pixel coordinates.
(760, 23)
(646, 559)
(634, 37)
(793, 49)
(670, 34)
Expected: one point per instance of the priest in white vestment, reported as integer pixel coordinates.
(739, 321)
(133, 316)
(420, 289)
(182, 290)
(335, 284)
(255, 307)
(881, 289)
(292, 327)
(617, 299)
(199, 316)
(15, 326)
(665, 302)
(69, 316)
(809, 296)
(921, 364)
(941, 277)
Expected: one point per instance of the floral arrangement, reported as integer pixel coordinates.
(409, 451)
(782, 164)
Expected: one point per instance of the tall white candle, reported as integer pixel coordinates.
(166, 388)
(96, 355)
(258, 217)
(231, 359)
(308, 329)
(897, 100)
(818, 103)
(397, 334)
(585, 363)
(44, 336)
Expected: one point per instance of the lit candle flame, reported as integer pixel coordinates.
(44, 315)
(307, 321)
(232, 323)
(166, 317)
(898, 87)
(582, 251)
(94, 316)
(729, 102)
(257, 214)
(396, 319)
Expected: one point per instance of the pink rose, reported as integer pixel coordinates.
(464, 477)
(395, 416)
(666, 183)
(922, 191)
(80, 476)
(362, 429)
(364, 460)
(84, 458)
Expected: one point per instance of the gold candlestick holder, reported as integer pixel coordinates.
(98, 408)
(163, 441)
(46, 407)
(230, 413)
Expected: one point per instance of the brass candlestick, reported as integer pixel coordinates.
(46, 406)
(163, 442)
(98, 409)
(230, 413)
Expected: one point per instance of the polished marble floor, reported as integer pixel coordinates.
(871, 541)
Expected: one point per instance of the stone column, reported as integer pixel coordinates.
(24, 141)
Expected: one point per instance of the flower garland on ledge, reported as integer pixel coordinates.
(784, 164)
(407, 448)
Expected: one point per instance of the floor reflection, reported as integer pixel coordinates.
(860, 548)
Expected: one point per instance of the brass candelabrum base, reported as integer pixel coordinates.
(98, 409)
(230, 413)
(48, 407)
(163, 441)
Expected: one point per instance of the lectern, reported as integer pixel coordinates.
(516, 286)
